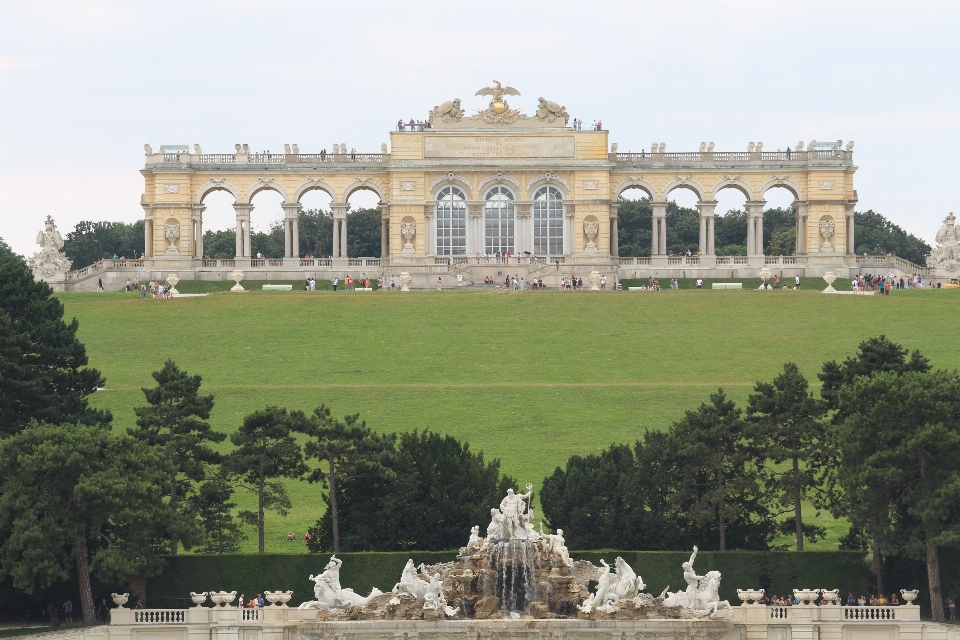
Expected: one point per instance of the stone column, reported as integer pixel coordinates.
(569, 233)
(291, 214)
(196, 213)
(475, 226)
(755, 227)
(801, 209)
(286, 238)
(243, 229)
(429, 231)
(851, 244)
(522, 230)
(614, 230)
(707, 210)
(384, 230)
(658, 237)
(147, 230)
(339, 228)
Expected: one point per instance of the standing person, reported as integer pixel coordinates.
(796, 281)
(699, 283)
(439, 284)
(103, 611)
(242, 601)
(393, 283)
(459, 279)
(335, 282)
(68, 611)
(128, 285)
(99, 284)
(143, 291)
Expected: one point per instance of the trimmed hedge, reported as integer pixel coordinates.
(777, 572)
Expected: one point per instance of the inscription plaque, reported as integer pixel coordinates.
(480, 146)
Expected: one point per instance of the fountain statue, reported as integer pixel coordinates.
(701, 596)
(329, 594)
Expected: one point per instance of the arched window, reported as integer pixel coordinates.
(498, 221)
(547, 222)
(451, 222)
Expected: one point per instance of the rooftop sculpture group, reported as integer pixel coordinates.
(50, 262)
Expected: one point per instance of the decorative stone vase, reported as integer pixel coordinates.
(829, 277)
(594, 281)
(404, 281)
(909, 596)
(237, 276)
(216, 599)
(172, 280)
(750, 596)
(272, 597)
(284, 597)
(806, 596)
(120, 599)
(198, 598)
(228, 596)
(830, 595)
(408, 230)
(765, 273)
(590, 229)
(827, 229)
(172, 233)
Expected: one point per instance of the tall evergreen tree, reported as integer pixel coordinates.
(7, 254)
(345, 449)
(720, 476)
(265, 452)
(42, 364)
(787, 427)
(211, 504)
(77, 497)
(175, 423)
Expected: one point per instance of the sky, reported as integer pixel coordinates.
(83, 85)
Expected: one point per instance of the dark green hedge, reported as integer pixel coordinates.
(777, 572)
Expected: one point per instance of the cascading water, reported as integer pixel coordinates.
(509, 574)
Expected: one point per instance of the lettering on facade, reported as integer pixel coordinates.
(408, 186)
(172, 188)
(498, 147)
(591, 185)
(826, 186)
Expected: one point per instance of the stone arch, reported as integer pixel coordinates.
(364, 183)
(732, 182)
(217, 184)
(452, 178)
(551, 179)
(266, 183)
(635, 182)
(499, 178)
(685, 182)
(311, 184)
(786, 183)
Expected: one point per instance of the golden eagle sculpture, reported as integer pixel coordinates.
(497, 91)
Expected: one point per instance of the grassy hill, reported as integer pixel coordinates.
(527, 377)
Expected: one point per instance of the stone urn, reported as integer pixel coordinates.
(827, 229)
(284, 597)
(594, 281)
(216, 599)
(120, 599)
(198, 598)
(750, 596)
(404, 281)
(806, 596)
(172, 233)
(830, 595)
(172, 280)
(237, 276)
(909, 596)
(590, 229)
(272, 597)
(408, 230)
(228, 596)
(765, 274)
(829, 277)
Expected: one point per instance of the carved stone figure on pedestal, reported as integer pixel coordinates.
(702, 596)
(827, 229)
(447, 112)
(947, 254)
(499, 111)
(551, 111)
(410, 583)
(495, 528)
(513, 506)
(329, 594)
(50, 263)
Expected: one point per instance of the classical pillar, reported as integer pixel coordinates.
(343, 237)
(384, 230)
(296, 237)
(475, 226)
(286, 238)
(339, 228)
(755, 227)
(851, 244)
(336, 238)
(243, 229)
(147, 230)
(291, 214)
(707, 209)
(711, 235)
(570, 235)
(658, 236)
(801, 209)
(523, 230)
(614, 230)
(429, 231)
(196, 215)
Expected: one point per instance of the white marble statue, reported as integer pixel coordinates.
(686, 599)
(612, 588)
(475, 543)
(947, 253)
(702, 594)
(554, 545)
(495, 527)
(410, 583)
(328, 592)
(433, 597)
(513, 507)
(50, 262)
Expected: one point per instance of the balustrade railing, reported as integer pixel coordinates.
(683, 157)
(159, 616)
(306, 262)
(731, 156)
(869, 613)
(258, 263)
(739, 260)
(276, 262)
(355, 262)
(250, 615)
(171, 157)
(228, 263)
(216, 158)
(724, 260)
(267, 158)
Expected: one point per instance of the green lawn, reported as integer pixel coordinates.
(527, 377)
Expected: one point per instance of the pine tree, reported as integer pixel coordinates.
(265, 452)
(42, 364)
(211, 504)
(175, 423)
(346, 449)
(785, 420)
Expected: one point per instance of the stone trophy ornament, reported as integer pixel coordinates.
(806, 596)
(447, 112)
(172, 233)
(551, 111)
(947, 253)
(498, 112)
(590, 229)
(909, 595)
(408, 230)
(594, 281)
(827, 229)
(50, 263)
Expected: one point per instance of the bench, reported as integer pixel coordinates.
(727, 285)
(278, 287)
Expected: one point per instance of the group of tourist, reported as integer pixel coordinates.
(850, 601)
(423, 124)
(775, 283)
(862, 283)
(349, 284)
(256, 602)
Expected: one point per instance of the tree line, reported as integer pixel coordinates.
(873, 233)
(879, 445)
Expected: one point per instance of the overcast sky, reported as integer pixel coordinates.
(83, 85)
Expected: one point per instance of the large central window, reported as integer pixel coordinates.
(451, 222)
(548, 222)
(498, 221)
